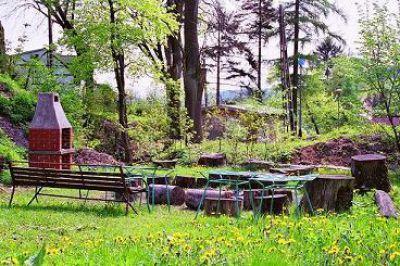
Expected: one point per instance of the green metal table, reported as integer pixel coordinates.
(145, 174)
(273, 181)
(226, 178)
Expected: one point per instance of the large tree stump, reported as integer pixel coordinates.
(176, 194)
(258, 193)
(165, 163)
(214, 159)
(193, 196)
(370, 171)
(184, 181)
(254, 165)
(332, 193)
(385, 204)
(278, 202)
(215, 207)
(293, 169)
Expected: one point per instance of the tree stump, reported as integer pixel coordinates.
(176, 194)
(165, 163)
(193, 196)
(279, 202)
(201, 182)
(294, 170)
(254, 165)
(370, 171)
(226, 206)
(246, 197)
(385, 204)
(332, 193)
(214, 159)
(184, 181)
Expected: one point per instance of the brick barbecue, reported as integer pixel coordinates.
(50, 135)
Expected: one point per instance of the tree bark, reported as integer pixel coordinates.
(193, 196)
(193, 92)
(385, 204)
(259, 69)
(295, 64)
(2, 50)
(176, 194)
(330, 193)
(370, 171)
(218, 92)
(119, 73)
(174, 68)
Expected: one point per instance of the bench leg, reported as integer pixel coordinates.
(12, 196)
(37, 192)
(128, 204)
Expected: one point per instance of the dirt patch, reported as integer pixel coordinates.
(15, 133)
(90, 156)
(339, 151)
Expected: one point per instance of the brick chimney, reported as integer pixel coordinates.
(50, 135)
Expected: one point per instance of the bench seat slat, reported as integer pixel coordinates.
(68, 185)
(68, 179)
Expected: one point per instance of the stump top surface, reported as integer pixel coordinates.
(335, 177)
(213, 155)
(276, 196)
(368, 157)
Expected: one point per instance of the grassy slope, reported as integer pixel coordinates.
(96, 234)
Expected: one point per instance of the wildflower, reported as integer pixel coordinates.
(334, 250)
(394, 255)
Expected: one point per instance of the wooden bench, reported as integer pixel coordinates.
(88, 180)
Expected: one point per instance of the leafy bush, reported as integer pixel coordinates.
(9, 150)
(23, 107)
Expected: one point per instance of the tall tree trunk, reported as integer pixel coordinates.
(193, 92)
(2, 50)
(393, 126)
(174, 69)
(259, 69)
(218, 92)
(119, 72)
(295, 63)
(50, 51)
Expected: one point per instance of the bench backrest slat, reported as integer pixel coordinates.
(103, 181)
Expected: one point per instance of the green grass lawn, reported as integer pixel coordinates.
(100, 234)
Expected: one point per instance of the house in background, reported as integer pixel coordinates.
(60, 63)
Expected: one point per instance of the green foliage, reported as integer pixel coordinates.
(9, 150)
(23, 107)
(37, 259)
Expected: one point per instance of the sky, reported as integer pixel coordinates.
(36, 32)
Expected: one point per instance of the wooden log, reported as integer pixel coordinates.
(385, 204)
(246, 197)
(201, 182)
(193, 196)
(226, 206)
(294, 170)
(278, 201)
(214, 159)
(165, 163)
(176, 194)
(254, 165)
(370, 171)
(184, 181)
(332, 193)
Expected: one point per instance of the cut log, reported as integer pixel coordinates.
(176, 194)
(193, 196)
(294, 170)
(385, 204)
(184, 181)
(246, 197)
(215, 207)
(279, 203)
(370, 172)
(214, 159)
(201, 182)
(332, 193)
(255, 165)
(165, 163)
